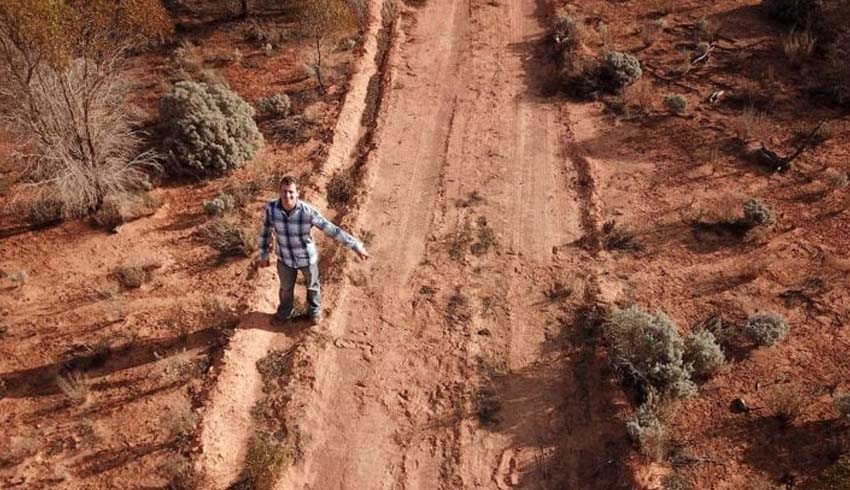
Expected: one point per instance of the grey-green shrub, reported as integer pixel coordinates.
(842, 404)
(757, 213)
(211, 130)
(703, 354)
(222, 203)
(622, 69)
(675, 103)
(648, 432)
(274, 105)
(648, 350)
(766, 328)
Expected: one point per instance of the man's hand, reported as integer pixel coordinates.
(264, 262)
(364, 255)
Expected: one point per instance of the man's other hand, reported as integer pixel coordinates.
(364, 255)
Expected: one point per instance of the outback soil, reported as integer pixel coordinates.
(462, 354)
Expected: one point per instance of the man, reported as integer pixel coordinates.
(292, 221)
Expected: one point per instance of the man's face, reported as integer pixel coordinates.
(288, 196)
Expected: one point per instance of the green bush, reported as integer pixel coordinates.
(211, 130)
(647, 350)
(703, 354)
(675, 103)
(757, 213)
(766, 328)
(274, 105)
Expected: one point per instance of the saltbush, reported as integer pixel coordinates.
(622, 69)
(703, 354)
(211, 130)
(767, 328)
(647, 350)
(648, 432)
(222, 203)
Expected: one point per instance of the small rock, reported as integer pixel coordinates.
(739, 405)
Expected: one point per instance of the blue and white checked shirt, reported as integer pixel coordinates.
(295, 245)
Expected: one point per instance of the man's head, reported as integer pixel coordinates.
(288, 189)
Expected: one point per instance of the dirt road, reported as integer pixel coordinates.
(449, 366)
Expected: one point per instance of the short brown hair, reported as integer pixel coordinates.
(287, 181)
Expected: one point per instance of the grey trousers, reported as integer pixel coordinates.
(287, 277)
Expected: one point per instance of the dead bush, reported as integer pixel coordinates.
(341, 189)
(752, 125)
(568, 33)
(229, 238)
(486, 238)
(137, 272)
(64, 92)
(75, 386)
(766, 328)
(458, 309)
(786, 403)
(617, 237)
(798, 46)
(122, 208)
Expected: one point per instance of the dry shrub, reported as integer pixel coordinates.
(836, 178)
(615, 237)
(675, 103)
(650, 31)
(786, 403)
(640, 94)
(706, 29)
(341, 188)
(118, 209)
(229, 238)
(752, 126)
(648, 432)
(180, 473)
(798, 46)
(75, 386)
(137, 271)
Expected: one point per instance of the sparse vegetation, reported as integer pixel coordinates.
(180, 473)
(751, 126)
(75, 386)
(229, 238)
(458, 309)
(210, 129)
(647, 352)
(767, 328)
(786, 403)
(64, 93)
(757, 213)
(650, 31)
(341, 188)
(675, 103)
(568, 33)
(703, 354)
(274, 105)
(118, 209)
(842, 404)
(836, 179)
(273, 368)
(486, 238)
(615, 237)
(221, 204)
(265, 459)
(798, 46)
(137, 271)
(648, 432)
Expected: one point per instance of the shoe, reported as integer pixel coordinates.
(316, 319)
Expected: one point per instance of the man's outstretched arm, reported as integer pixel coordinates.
(338, 234)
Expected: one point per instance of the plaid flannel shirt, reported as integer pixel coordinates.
(295, 245)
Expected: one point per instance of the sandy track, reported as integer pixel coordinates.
(449, 368)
